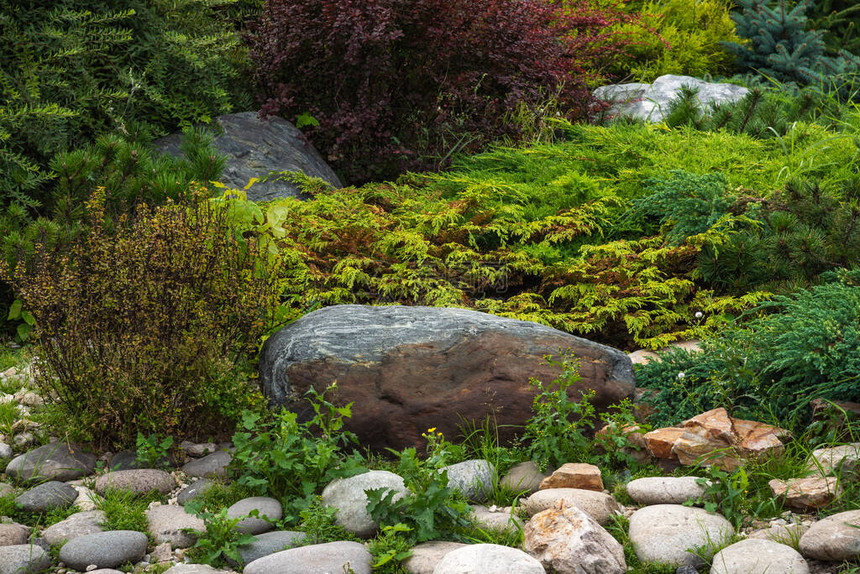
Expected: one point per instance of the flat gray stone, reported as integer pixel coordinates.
(210, 466)
(269, 510)
(348, 496)
(834, 539)
(665, 489)
(48, 495)
(23, 559)
(598, 505)
(651, 102)
(137, 481)
(105, 549)
(427, 555)
(471, 478)
(487, 559)
(254, 147)
(13, 534)
(78, 524)
(523, 477)
(167, 523)
(188, 493)
(753, 556)
(269, 543)
(496, 518)
(329, 558)
(665, 533)
(56, 461)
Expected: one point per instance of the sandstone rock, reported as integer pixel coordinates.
(496, 518)
(55, 461)
(407, 369)
(105, 549)
(523, 477)
(23, 559)
(568, 541)
(487, 559)
(254, 147)
(660, 442)
(643, 357)
(758, 557)
(48, 495)
(269, 543)
(666, 532)
(268, 509)
(329, 558)
(806, 493)
(652, 102)
(598, 505)
(665, 489)
(161, 553)
(427, 555)
(210, 466)
(167, 523)
(137, 481)
(13, 534)
(348, 496)
(574, 475)
(79, 524)
(835, 538)
(471, 478)
(843, 459)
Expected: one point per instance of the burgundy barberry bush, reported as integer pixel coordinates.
(399, 84)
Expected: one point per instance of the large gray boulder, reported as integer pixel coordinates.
(408, 369)
(255, 147)
(650, 102)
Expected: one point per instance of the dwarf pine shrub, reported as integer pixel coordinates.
(145, 323)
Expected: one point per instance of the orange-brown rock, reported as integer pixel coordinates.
(806, 493)
(574, 475)
(660, 442)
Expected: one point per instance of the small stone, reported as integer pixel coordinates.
(79, 524)
(348, 496)
(844, 459)
(161, 553)
(5, 450)
(24, 440)
(598, 505)
(523, 477)
(167, 523)
(23, 558)
(269, 543)
(665, 489)
(210, 466)
(196, 450)
(56, 461)
(498, 520)
(269, 510)
(105, 549)
(86, 499)
(136, 481)
(48, 495)
(13, 534)
(758, 557)
(806, 493)
(834, 539)
(192, 490)
(334, 557)
(427, 555)
(666, 533)
(195, 569)
(487, 559)
(574, 475)
(471, 478)
(789, 534)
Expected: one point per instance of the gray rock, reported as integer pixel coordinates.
(79, 524)
(210, 466)
(427, 555)
(329, 558)
(56, 461)
(598, 505)
(348, 496)
(105, 571)
(192, 490)
(13, 534)
(125, 460)
(665, 489)
(192, 569)
(487, 559)
(496, 518)
(843, 459)
(51, 494)
(137, 481)
(651, 102)
(5, 450)
(665, 533)
(198, 449)
(835, 538)
(104, 549)
(269, 543)
(6, 489)
(758, 557)
(789, 534)
(471, 478)
(167, 523)
(23, 559)
(523, 477)
(255, 147)
(407, 369)
(269, 510)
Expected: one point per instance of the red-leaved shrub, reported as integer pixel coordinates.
(399, 84)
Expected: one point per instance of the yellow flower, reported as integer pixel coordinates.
(430, 430)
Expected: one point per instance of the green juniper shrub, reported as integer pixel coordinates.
(393, 85)
(162, 308)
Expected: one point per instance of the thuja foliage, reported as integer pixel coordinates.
(161, 308)
(392, 85)
(72, 70)
(801, 347)
(781, 47)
